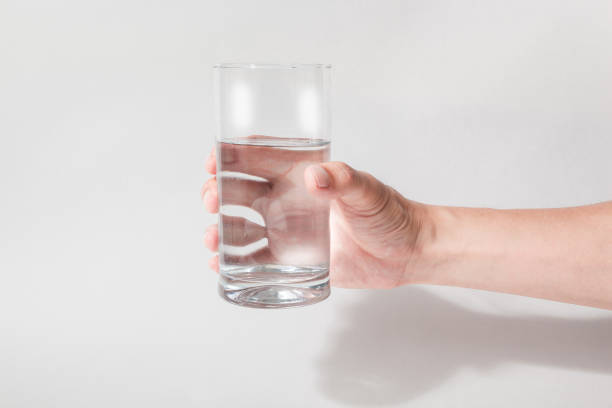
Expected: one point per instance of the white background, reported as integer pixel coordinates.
(105, 122)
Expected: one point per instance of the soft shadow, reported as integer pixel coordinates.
(399, 344)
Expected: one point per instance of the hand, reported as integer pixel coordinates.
(376, 234)
(268, 186)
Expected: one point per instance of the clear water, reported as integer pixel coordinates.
(274, 235)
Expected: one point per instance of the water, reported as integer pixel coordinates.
(273, 234)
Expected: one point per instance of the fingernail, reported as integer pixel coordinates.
(321, 176)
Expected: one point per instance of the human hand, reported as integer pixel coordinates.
(376, 234)
(267, 185)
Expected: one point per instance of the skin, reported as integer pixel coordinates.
(380, 239)
(294, 219)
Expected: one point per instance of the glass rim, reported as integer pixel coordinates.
(247, 65)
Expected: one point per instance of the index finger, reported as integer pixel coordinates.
(211, 162)
(263, 158)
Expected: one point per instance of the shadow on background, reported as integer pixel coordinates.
(397, 345)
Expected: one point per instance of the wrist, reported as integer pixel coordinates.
(439, 243)
(462, 245)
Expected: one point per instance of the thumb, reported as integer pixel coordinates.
(356, 189)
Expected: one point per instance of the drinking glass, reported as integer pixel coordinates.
(273, 121)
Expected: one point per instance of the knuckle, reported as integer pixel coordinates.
(345, 173)
(210, 184)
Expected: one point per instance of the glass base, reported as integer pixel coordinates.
(275, 294)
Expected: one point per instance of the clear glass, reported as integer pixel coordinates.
(273, 122)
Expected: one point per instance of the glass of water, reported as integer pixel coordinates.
(273, 121)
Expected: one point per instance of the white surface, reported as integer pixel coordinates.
(105, 296)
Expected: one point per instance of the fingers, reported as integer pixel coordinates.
(237, 191)
(211, 162)
(357, 190)
(211, 202)
(213, 263)
(239, 231)
(260, 161)
(211, 237)
(210, 195)
(263, 161)
(262, 256)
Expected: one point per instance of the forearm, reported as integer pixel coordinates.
(558, 254)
